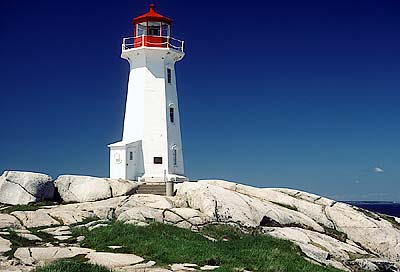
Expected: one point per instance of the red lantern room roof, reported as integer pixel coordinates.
(152, 15)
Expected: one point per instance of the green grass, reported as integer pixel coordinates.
(167, 244)
(71, 266)
(341, 236)
(391, 220)
(17, 242)
(28, 207)
(86, 221)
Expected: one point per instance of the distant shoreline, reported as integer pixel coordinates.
(386, 207)
(370, 202)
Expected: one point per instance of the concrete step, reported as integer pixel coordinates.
(152, 188)
(155, 189)
(151, 192)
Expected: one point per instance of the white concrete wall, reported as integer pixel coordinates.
(174, 129)
(147, 109)
(134, 109)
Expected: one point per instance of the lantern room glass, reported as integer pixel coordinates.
(154, 28)
(166, 29)
(141, 29)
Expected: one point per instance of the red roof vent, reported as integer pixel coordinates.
(152, 15)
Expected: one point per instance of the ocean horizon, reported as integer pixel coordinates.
(391, 208)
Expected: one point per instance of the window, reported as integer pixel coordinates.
(171, 115)
(169, 75)
(157, 160)
(117, 158)
(154, 28)
(130, 155)
(141, 29)
(174, 159)
(165, 30)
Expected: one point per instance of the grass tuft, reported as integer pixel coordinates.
(392, 220)
(233, 250)
(17, 242)
(69, 265)
(27, 207)
(341, 236)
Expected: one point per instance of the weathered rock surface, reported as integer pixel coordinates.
(5, 245)
(371, 231)
(58, 231)
(84, 188)
(112, 260)
(9, 221)
(184, 267)
(328, 232)
(44, 254)
(25, 187)
(209, 267)
(29, 236)
(319, 247)
(33, 219)
(375, 264)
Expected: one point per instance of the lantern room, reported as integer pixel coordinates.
(152, 29)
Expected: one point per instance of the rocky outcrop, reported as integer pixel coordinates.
(25, 187)
(35, 255)
(328, 232)
(84, 188)
(5, 245)
(371, 231)
(113, 260)
(8, 221)
(33, 219)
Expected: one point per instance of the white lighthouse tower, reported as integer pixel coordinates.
(151, 146)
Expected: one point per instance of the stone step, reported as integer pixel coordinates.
(155, 189)
(151, 189)
(151, 192)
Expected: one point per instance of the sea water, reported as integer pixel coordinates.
(389, 208)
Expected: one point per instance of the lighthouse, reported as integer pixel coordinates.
(151, 145)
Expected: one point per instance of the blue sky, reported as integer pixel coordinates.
(299, 94)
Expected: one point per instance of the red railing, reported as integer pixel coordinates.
(152, 41)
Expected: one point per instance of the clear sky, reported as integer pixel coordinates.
(288, 93)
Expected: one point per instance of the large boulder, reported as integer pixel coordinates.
(374, 232)
(25, 187)
(328, 232)
(286, 209)
(35, 255)
(85, 188)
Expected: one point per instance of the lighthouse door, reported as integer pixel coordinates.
(131, 163)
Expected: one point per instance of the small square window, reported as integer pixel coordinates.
(157, 160)
(169, 75)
